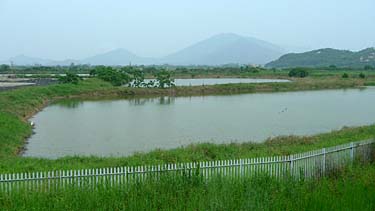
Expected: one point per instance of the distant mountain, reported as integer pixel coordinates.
(65, 62)
(217, 50)
(23, 60)
(117, 57)
(225, 49)
(326, 57)
(26, 60)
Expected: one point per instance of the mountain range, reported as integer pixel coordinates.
(217, 50)
(326, 57)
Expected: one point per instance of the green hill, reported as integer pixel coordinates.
(326, 57)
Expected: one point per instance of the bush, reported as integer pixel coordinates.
(345, 75)
(115, 77)
(136, 76)
(361, 75)
(298, 72)
(332, 67)
(69, 78)
(164, 79)
(251, 69)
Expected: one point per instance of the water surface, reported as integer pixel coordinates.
(122, 127)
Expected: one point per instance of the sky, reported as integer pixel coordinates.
(76, 29)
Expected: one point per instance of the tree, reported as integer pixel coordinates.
(361, 75)
(164, 79)
(332, 67)
(345, 75)
(72, 67)
(136, 76)
(69, 78)
(4, 68)
(298, 72)
(115, 77)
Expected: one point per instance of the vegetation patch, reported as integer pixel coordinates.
(298, 72)
(351, 188)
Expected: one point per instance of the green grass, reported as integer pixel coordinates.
(338, 73)
(352, 188)
(12, 133)
(371, 83)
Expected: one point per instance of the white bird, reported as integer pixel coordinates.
(32, 124)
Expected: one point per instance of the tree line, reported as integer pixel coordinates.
(128, 75)
(154, 69)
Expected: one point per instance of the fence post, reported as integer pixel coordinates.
(241, 167)
(352, 151)
(291, 164)
(324, 161)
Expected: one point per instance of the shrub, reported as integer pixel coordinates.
(164, 79)
(69, 78)
(345, 75)
(332, 67)
(115, 77)
(298, 72)
(255, 70)
(136, 76)
(361, 75)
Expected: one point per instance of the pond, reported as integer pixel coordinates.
(122, 127)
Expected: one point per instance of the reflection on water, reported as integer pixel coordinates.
(122, 127)
(164, 100)
(213, 81)
(135, 101)
(70, 103)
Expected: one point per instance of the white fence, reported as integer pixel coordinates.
(304, 165)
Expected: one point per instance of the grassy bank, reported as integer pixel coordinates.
(17, 105)
(352, 188)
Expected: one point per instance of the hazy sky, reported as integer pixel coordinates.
(60, 29)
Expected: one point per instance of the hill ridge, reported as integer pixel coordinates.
(219, 49)
(325, 57)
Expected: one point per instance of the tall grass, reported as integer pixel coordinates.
(352, 189)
